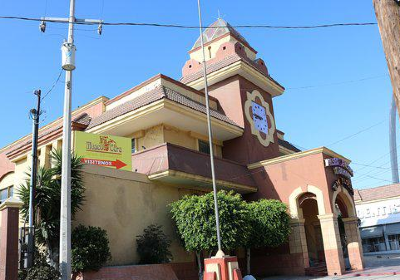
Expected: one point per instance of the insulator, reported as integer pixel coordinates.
(42, 26)
(100, 29)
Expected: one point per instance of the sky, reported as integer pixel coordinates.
(338, 89)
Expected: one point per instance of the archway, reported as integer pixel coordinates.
(348, 228)
(308, 205)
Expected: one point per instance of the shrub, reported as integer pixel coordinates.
(153, 246)
(90, 248)
(40, 271)
(194, 217)
(269, 225)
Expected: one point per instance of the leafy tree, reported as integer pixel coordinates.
(194, 217)
(48, 201)
(269, 225)
(90, 249)
(153, 246)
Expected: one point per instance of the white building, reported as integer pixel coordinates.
(379, 212)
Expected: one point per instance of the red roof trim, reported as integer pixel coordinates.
(152, 79)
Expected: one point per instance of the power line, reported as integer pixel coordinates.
(53, 86)
(355, 134)
(339, 83)
(181, 26)
(372, 166)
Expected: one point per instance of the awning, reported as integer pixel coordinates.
(393, 229)
(371, 232)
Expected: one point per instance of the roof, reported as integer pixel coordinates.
(158, 93)
(383, 192)
(152, 79)
(212, 67)
(82, 119)
(288, 145)
(216, 30)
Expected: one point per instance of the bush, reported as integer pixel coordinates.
(40, 271)
(90, 249)
(270, 223)
(153, 246)
(194, 217)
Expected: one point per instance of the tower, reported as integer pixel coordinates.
(244, 88)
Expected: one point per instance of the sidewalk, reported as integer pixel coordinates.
(376, 267)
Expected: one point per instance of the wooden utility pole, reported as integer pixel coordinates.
(388, 15)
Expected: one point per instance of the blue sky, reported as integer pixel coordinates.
(320, 107)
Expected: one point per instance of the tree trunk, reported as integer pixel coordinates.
(53, 255)
(388, 16)
(200, 265)
(248, 255)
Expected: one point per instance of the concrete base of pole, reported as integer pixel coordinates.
(222, 268)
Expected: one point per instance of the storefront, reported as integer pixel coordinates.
(379, 212)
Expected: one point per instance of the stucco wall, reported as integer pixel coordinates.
(232, 95)
(179, 137)
(125, 203)
(280, 180)
(6, 165)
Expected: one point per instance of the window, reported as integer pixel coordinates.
(133, 145)
(204, 147)
(6, 193)
(3, 195)
(394, 242)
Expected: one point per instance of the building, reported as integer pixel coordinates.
(166, 120)
(379, 213)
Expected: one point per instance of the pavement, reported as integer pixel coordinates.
(386, 267)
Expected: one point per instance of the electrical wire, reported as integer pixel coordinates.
(53, 86)
(372, 166)
(339, 83)
(262, 26)
(355, 134)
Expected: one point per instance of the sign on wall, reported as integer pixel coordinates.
(344, 172)
(378, 213)
(104, 150)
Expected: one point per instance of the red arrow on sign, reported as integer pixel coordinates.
(117, 164)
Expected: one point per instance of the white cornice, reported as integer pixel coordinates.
(246, 71)
(280, 159)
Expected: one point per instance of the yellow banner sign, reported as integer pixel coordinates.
(104, 150)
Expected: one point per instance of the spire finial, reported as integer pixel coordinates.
(219, 14)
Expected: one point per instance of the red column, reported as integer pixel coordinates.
(332, 246)
(9, 211)
(354, 243)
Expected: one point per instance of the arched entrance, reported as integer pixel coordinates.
(309, 207)
(348, 228)
(318, 230)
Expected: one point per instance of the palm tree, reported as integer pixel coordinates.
(48, 201)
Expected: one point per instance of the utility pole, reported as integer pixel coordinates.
(220, 253)
(65, 217)
(388, 16)
(68, 64)
(35, 115)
